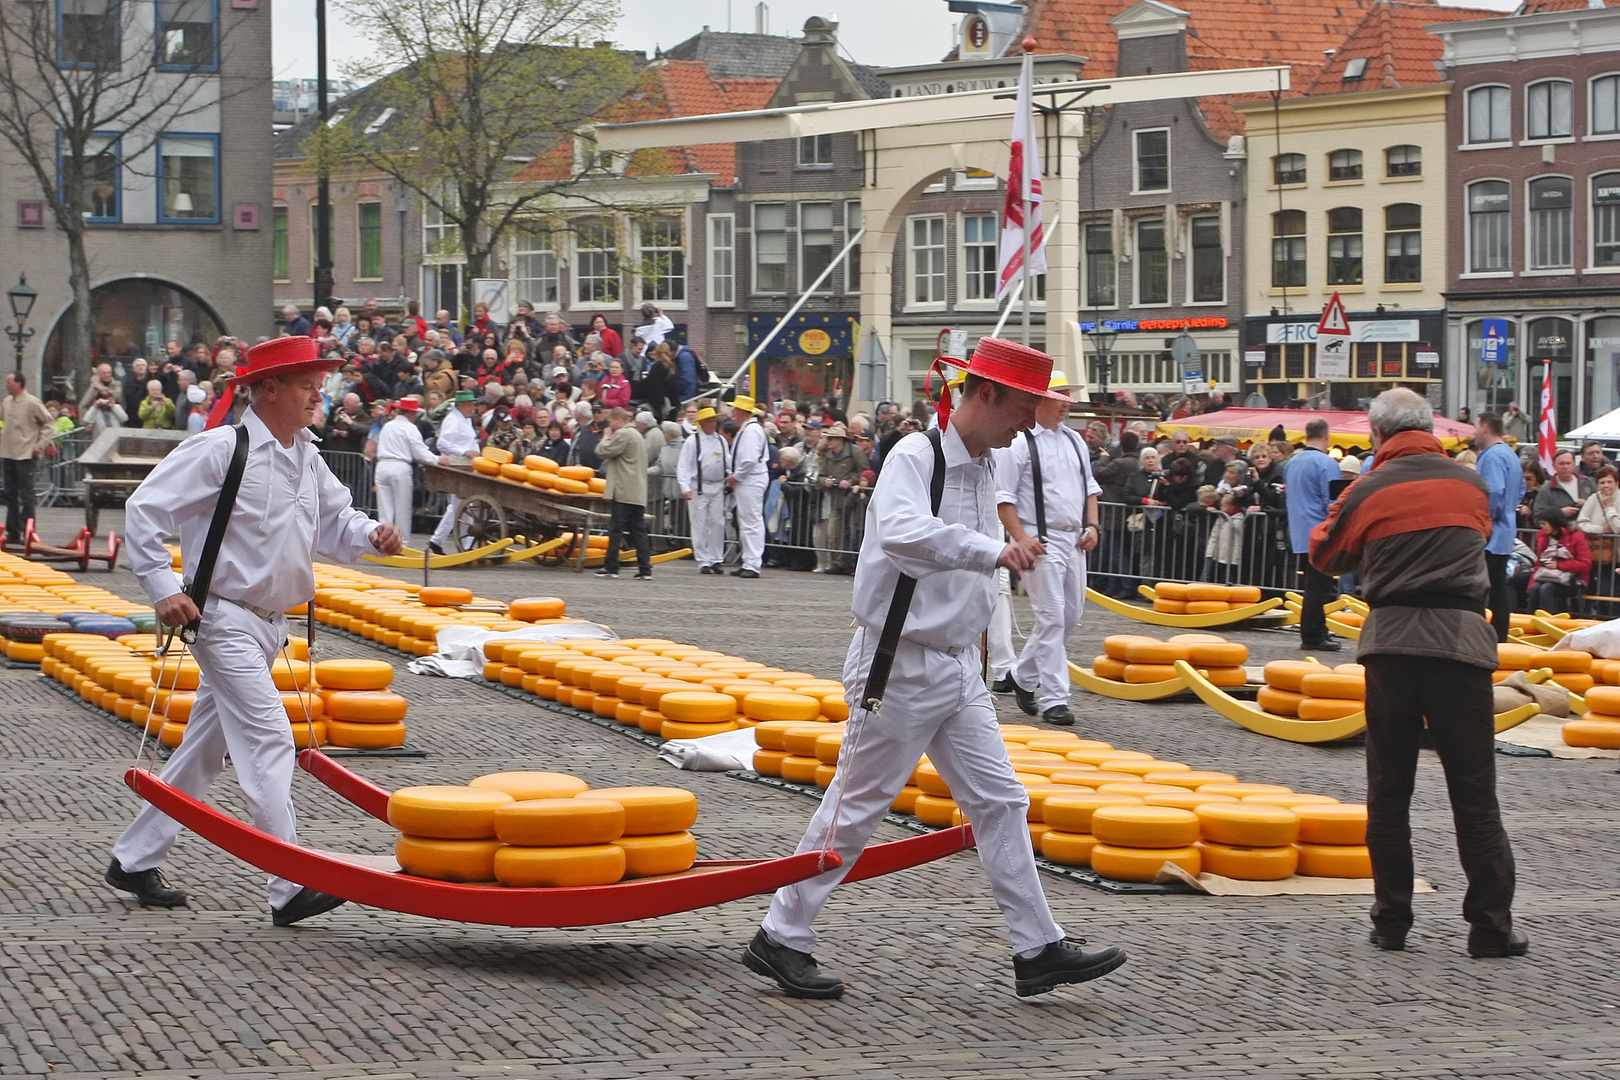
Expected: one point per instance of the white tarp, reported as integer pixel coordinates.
(712, 753)
(1605, 427)
(461, 648)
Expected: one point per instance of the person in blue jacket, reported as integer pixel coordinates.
(1499, 467)
(1306, 480)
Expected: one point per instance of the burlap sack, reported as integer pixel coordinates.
(1550, 697)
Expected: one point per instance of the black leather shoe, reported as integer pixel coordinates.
(1059, 715)
(147, 885)
(1491, 946)
(1329, 644)
(645, 575)
(308, 902)
(1063, 962)
(794, 971)
(745, 573)
(1026, 700)
(607, 573)
(705, 569)
(1003, 685)
(1388, 940)
(716, 570)
(435, 548)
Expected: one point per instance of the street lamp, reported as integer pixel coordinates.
(1102, 343)
(22, 297)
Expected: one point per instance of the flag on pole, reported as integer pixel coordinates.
(1547, 433)
(1023, 185)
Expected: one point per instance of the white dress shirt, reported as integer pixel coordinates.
(707, 459)
(655, 331)
(952, 556)
(456, 435)
(401, 440)
(1065, 481)
(289, 509)
(751, 455)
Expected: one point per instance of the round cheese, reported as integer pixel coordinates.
(926, 776)
(699, 707)
(1096, 756)
(366, 706)
(1149, 673)
(1169, 607)
(171, 674)
(1204, 591)
(1289, 802)
(1565, 660)
(1512, 656)
(1135, 767)
(1288, 674)
(834, 707)
(1249, 863)
(1593, 730)
(171, 733)
(824, 775)
(1248, 824)
(1206, 607)
(1243, 594)
(1227, 677)
(1066, 848)
(354, 674)
(1115, 644)
(1332, 684)
(1575, 682)
(1155, 652)
(767, 705)
(1106, 667)
(443, 812)
(933, 810)
(1604, 700)
(649, 811)
(828, 747)
(682, 729)
(1191, 779)
(1141, 864)
(1144, 826)
(1334, 861)
(650, 856)
(1313, 708)
(800, 739)
(906, 801)
(497, 455)
(1333, 823)
(528, 786)
(447, 860)
(1171, 590)
(559, 867)
(769, 762)
(1279, 702)
(1237, 790)
(560, 822)
(799, 768)
(1184, 799)
(364, 736)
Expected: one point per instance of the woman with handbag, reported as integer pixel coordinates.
(1563, 563)
(1599, 519)
(1141, 521)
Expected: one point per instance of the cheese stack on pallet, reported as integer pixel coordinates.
(360, 711)
(1313, 691)
(1333, 840)
(1600, 726)
(1133, 842)
(1138, 658)
(1198, 598)
(1570, 669)
(771, 759)
(36, 600)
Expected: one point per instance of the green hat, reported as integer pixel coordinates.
(465, 395)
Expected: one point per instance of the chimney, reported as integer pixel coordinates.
(762, 18)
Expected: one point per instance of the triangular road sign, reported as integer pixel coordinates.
(1334, 320)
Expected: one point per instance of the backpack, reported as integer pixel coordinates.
(699, 368)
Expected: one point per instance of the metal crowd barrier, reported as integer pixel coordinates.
(1145, 544)
(58, 475)
(807, 525)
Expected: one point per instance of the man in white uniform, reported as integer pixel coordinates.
(399, 446)
(1045, 490)
(458, 445)
(701, 472)
(749, 477)
(289, 510)
(936, 701)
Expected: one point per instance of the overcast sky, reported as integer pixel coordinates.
(884, 33)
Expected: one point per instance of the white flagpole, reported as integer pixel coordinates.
(1018, 287)
(1029, 152)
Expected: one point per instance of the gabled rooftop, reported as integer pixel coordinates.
(1390, 49)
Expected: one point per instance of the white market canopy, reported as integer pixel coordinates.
(1605, 427)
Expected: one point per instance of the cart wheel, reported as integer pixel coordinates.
(480, 522)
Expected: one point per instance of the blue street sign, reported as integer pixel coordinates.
(1493, 341)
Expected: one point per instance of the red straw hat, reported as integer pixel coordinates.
(408, 404)
(281, 356)
(1004, 362)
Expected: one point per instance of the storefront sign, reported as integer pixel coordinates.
(805, 335)
(814, 342)
(1493, 342)
(1301, 333)
(1129, 326)
(1426, 358)
(1254, 357)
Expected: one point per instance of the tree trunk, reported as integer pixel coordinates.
(80, 329)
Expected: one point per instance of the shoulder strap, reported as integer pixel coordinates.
(697, 458)
(877, 677)
(1035, 475)
(198, 589)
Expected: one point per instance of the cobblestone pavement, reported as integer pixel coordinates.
(1285, 987)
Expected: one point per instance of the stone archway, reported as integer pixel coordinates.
(131, 316)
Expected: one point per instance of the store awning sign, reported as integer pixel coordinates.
(805, 335)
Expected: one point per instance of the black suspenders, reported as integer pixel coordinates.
(1035, 475)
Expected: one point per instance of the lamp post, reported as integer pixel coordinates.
(1102, 343)
(22, 296)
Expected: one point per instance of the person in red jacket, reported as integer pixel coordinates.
(615, 389)
(1563, 563)
(612, 343)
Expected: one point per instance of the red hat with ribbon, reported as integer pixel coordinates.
(282, 356)
(407, 404)
(1006, 362)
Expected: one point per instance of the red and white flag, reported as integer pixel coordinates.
(1547, 433)
(1023, 185)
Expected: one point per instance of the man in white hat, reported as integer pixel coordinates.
(749, 477)
(701, 472)
(935, 699)
(1046, 491)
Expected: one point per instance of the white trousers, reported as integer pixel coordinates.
(448, 522)
(708, 513)
(936, 703)
(1057, 593)
(751, 523)
(237, 711)
(1002, 655)
(394, 482)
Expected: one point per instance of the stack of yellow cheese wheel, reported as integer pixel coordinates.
(1137, 658)
(1248, 841)
(1313, 691)
(360, 711)
(1134, 842)
(1605, 672)
(1180, 598)
(1600, 726)
(32, 588)
(1570, 669)
(1333, 840)
(1575, 671)
(446, 832)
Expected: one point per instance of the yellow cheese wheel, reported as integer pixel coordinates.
(170, 734)
(486, 466)
(366, 706)
(685, 729)
(1289, 802)
(1287, 674)
(1248, 824)
(443, 812)
(447, 860)
(535, 608)
(170, 674)
(1214, 654)
(1141, 864)
(926, 777)
(1334, 861)
(651, 721)
(906, 801)
(1226, 676)
(354, 674)
(1207, 607)
(1604, 700)
(1148, 673)
(1171, 590)
(650, 856)
(1606, 670)
(699, 707)
(528, 786)
(765, 705)
(577, 472)
(25, 652)
(1106, 667)
(547, 688)
(1134, 767)
(1096, 756)
(302, 707)
(1144, 826)
(1333, 823)
(769, 762)
(834, 707)
(649, 811)
(770, 733)
(1332, 684)
(307, 736)
(1565, 660)
(1511, 656)
(559, 867)
(1575, 682)
(828, 746)
(1115, 644)
(443, 596)
(1137, 788)
(824, 775)
(800, 768)
(1279, 702)
(516, 472)
(560, 822)
(1170, 607)
(1066, 848)
(173, 706)
(1058, 742)
(1184, 799)
(1155, 652)
(1312, 708)
(1248, 863)
(1039, 792)
(497, 455)
(1237, 790)
(653, 692)
(1243, 594)
(1202, 591)
(1594, 731)
(583, 698)
(364, 736)
(933, 810)
(1092, 778)
(493, 669)
(800, 739)
(1191, 779)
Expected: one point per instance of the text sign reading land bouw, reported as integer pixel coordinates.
(1333, 342)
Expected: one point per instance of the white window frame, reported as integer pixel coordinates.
(1468, 229)
(816, 162)
(1592, 266)
(833, 246)
(440, 236)
(1591, 106)
(1568, 136)
(753, 247)
(966, 181)
(962, 260)
(575, 267)
(853, 217)
(942, 274)
(1529, 227)
(1221, 227)
(722, 260)
(531, 288)
(639, 284)
(1136, 163)
(1469, 142)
